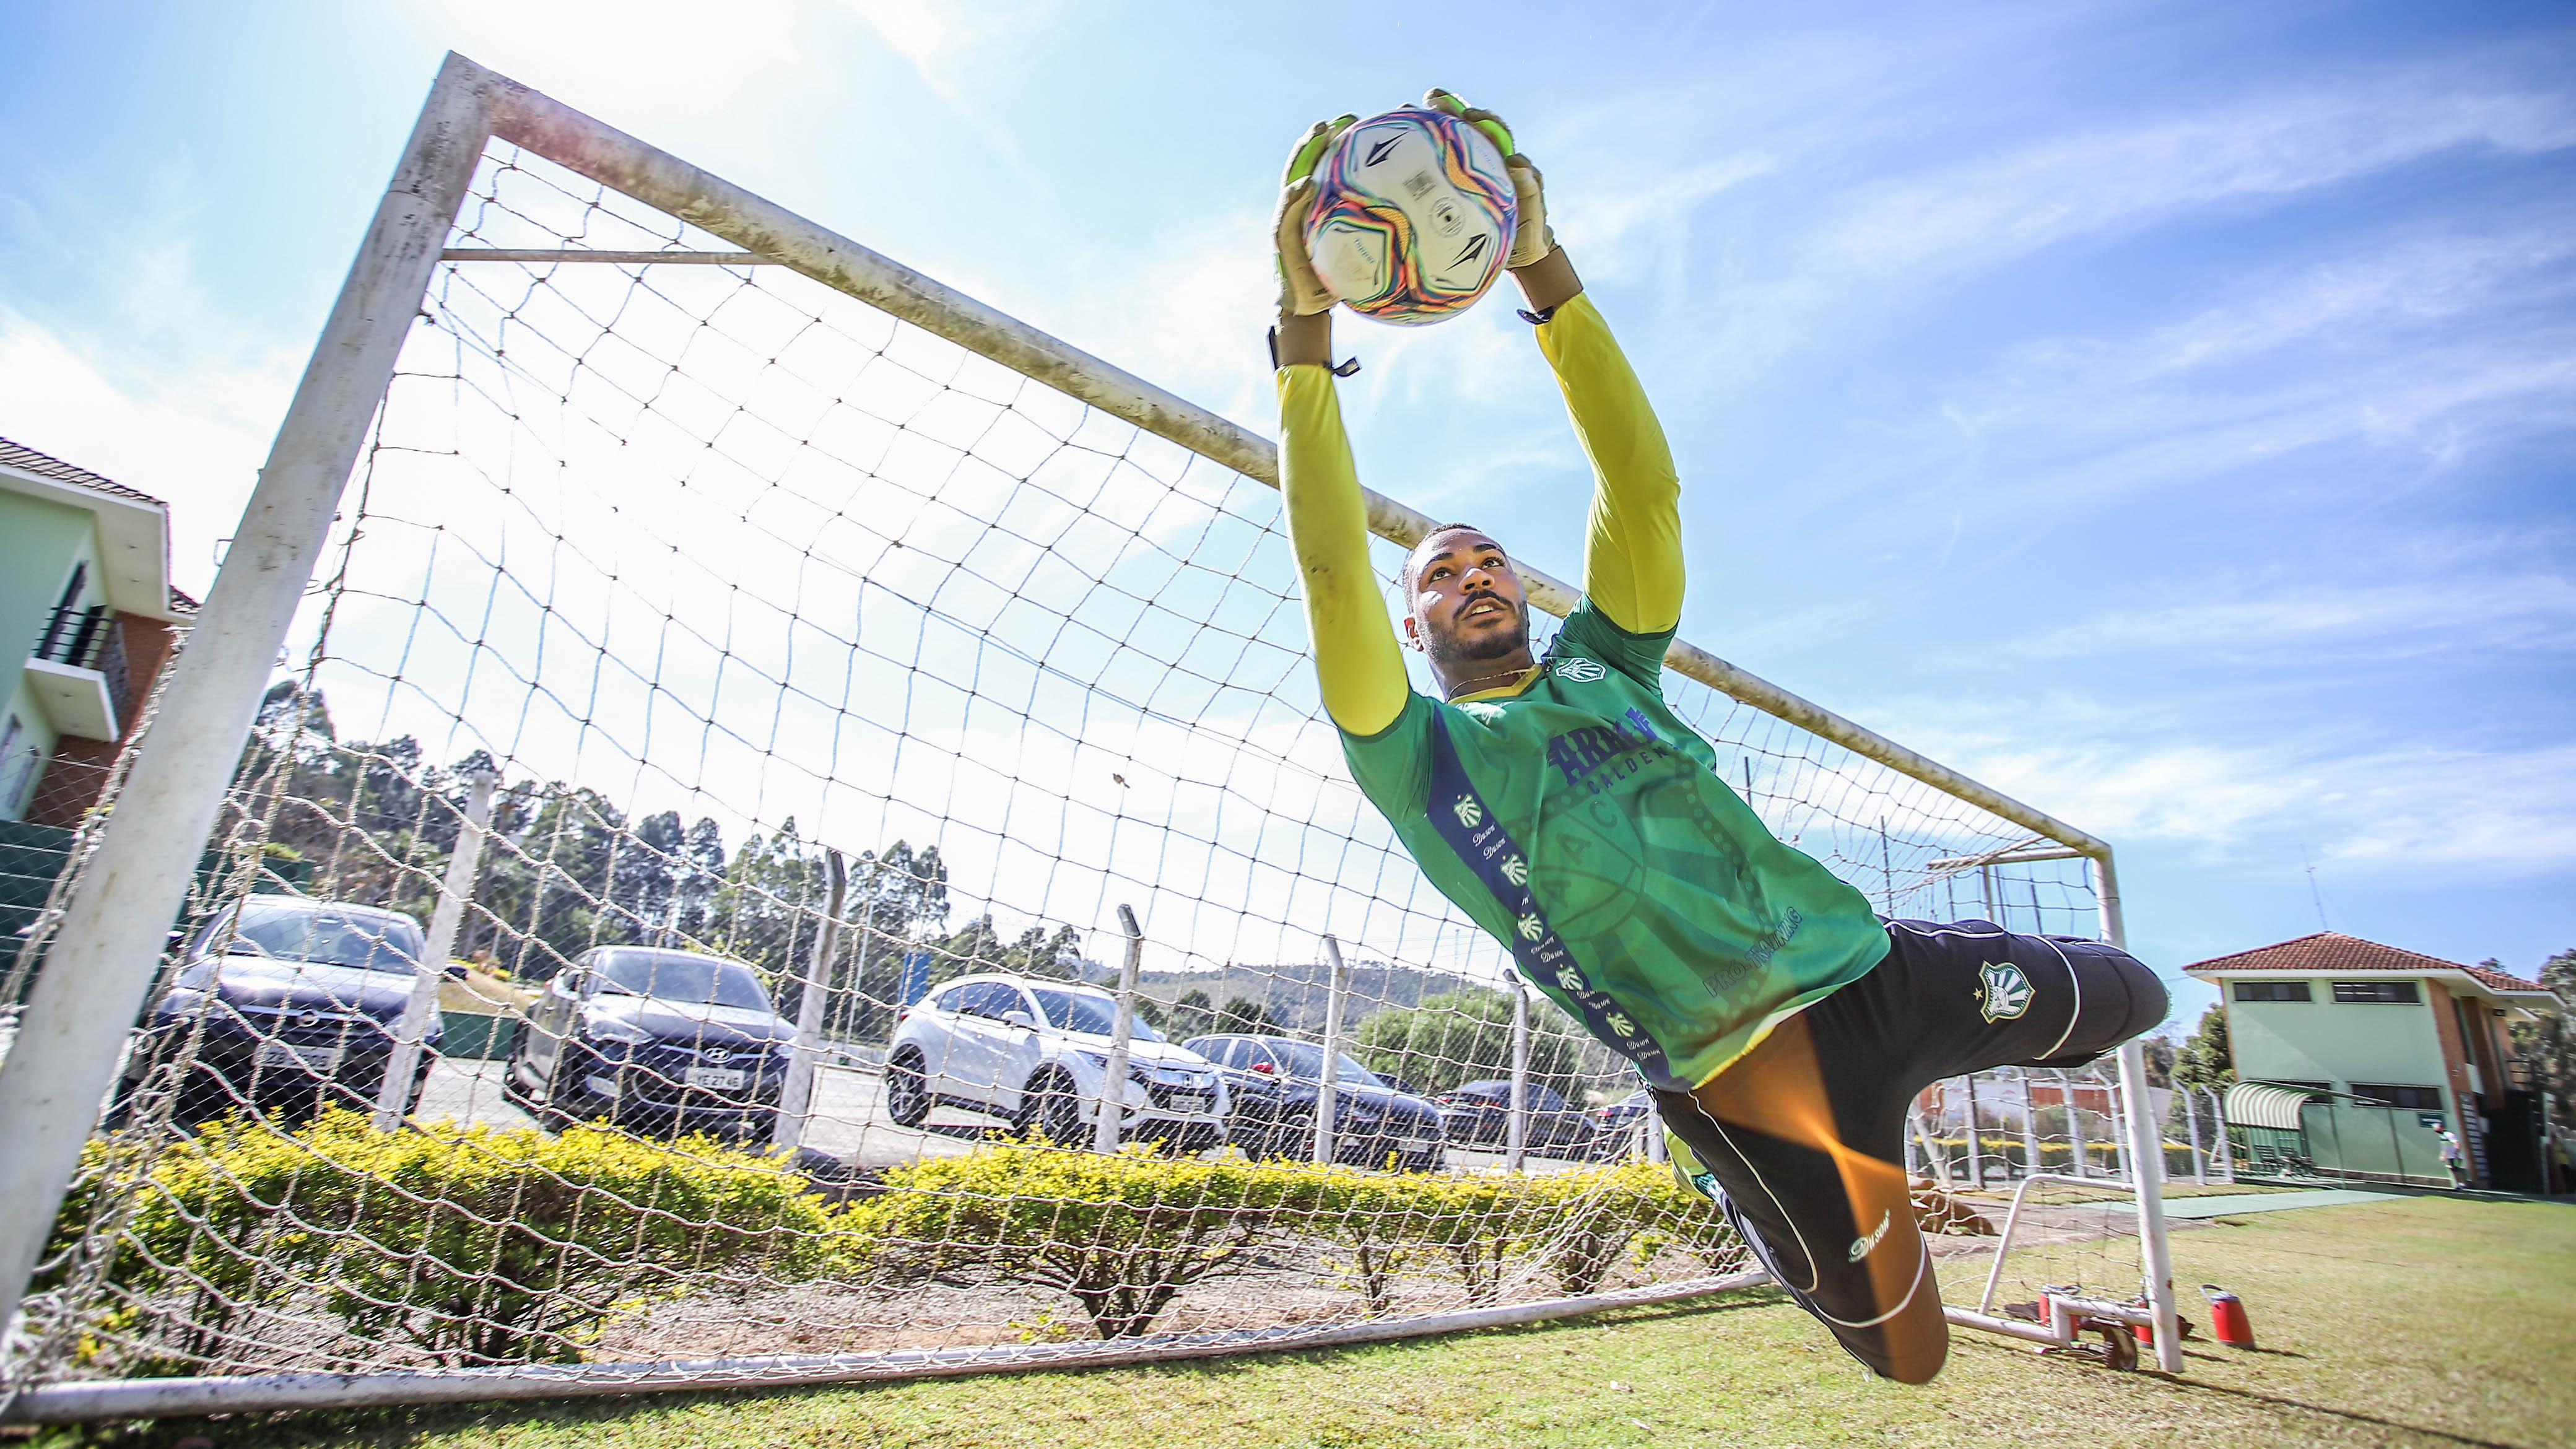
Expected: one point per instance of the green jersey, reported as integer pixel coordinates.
(1584, 825)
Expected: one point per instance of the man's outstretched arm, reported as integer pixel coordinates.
(1357, 660)
(1632, 555)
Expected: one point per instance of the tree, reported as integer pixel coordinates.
(2159, 1052)
(1192, 1015)
(2204, 1060)
(1466, 1036)
(2547, 1047)
(1243, 1014)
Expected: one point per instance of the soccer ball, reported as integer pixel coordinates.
(1413, 216)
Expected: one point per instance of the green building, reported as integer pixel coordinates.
(2380, 1049)
(85, 594)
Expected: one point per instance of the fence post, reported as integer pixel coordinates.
(1122, 1030)
(1328, 1100)
(2031, 1165)
(1516, 1128)
(2191, 1124)
(1655, 1149)
(393, 1094)
(116, 924)
(2225, 1149)
(1976, 1158)
(2075, 1125)
(796, 1094)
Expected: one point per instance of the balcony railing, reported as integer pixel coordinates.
(87, 639)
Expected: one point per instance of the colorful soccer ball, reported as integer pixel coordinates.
(1413, 216)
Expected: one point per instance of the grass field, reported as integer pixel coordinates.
(2424, 1320)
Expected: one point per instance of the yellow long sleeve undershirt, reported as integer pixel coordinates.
(1632, 557)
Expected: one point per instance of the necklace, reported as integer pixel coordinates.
(1475, 684)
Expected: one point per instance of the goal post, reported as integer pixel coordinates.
(1338, 888)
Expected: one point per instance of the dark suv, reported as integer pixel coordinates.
(1273, 1084)
(293, 1004)
(1481, 1112)
(667, 1041)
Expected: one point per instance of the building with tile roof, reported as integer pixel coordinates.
(85, 589)
(2339, 1014)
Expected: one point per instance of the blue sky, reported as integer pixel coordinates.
(2163, 412)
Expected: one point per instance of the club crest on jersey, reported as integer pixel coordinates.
(1581, 670)
(2006, 992)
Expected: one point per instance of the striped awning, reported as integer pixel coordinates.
(2261, 1104)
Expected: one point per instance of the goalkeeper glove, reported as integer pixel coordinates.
(1533, 240)
(1301, 292)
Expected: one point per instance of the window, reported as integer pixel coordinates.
(2418, 1098)
(2272, 991)
(681, 976)
(2402, 993)
(326, 935)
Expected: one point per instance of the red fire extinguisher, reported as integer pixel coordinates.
(2227, 1317)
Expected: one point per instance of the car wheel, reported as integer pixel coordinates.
(1292, 1138)
(1051, 1110)
(907, 1091)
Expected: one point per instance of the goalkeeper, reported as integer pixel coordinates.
(1561, 804)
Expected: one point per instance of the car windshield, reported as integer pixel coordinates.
(680, 976)
(1084, 1012)
(294, 931)
(1306, 1063)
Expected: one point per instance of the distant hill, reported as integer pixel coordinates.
(1294, 992)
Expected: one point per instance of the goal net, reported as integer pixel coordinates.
(674, 915)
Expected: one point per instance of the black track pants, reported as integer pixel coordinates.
(1805, 1132)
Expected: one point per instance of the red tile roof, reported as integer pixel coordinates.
(46, 466)
(2331, 953)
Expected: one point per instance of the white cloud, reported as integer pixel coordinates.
(193, 437)
(2403, 809)
(2112, 180)
(2491, 612)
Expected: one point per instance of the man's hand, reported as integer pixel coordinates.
(1301, 292)
(1533, 241)
(1305, 330)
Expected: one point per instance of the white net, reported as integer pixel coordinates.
(837, 687)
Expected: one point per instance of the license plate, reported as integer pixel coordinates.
(1420, 1144)
(1186, 1101)
(716, 1079)
(322, 1059)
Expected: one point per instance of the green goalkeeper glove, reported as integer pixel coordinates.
(1534, 240)
(1301, 292)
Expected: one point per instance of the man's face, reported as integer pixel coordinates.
(1467, 604)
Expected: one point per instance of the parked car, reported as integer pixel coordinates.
(658, 1040)
(1480, 1113)
(1615, 1128)
(293, 1005)
(1275, 1084)
(1035, 1053)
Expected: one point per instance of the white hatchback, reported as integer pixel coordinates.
(1035, 1053)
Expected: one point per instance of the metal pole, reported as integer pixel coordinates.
(1327, 1094)
(796, 1094)
(2120, 1115)
(1122, 1030)
(2075, 1125)
(2031, 1165)
(1516, 1128)
(393, 1094)
(2191, 1124)
(1931, 1149)
(1655, 1149)
(1976, 1162)
(2146, 1149)
(2218, 1136)
(134, 882)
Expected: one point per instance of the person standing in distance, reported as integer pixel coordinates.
(1564, 807)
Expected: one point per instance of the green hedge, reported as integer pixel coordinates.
(473, 1245)
(482, 1246)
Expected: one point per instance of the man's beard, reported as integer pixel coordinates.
(1446, 648)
